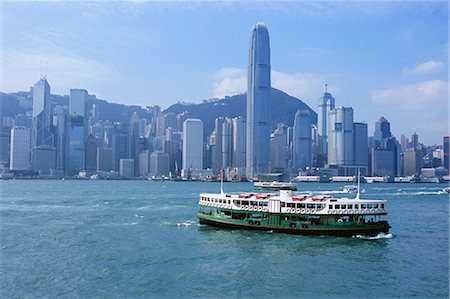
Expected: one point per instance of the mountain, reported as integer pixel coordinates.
(283, 107)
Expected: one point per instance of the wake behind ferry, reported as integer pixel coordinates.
(301, 214)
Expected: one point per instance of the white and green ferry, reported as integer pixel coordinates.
(302, 214)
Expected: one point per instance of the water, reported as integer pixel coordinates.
(128, 239)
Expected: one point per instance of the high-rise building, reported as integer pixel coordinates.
(217, 158)
(192, 144)
(302, 140)
(361, 146)
(121, 144)
(20, 148)
(60, 129)
(5, 148)
(76, 133)
(42, 117)
(278, 149)
(104, 159)
(326, 103)
(382, 130)
(227, 143)
(91, 155)
(415, 141)
(412, 162)
(238, 142)
(258, 102)
(447, 153)
(159, 163)
(41, 135)
(126, 168)
(340, 137)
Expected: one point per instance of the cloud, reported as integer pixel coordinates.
(229, 81)
(64, 71)
(425, 68)
(417, 96)
(305, 86)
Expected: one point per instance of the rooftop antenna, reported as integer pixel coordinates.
(46, 70)
(358, 191)
(41, 70)
(326, 87)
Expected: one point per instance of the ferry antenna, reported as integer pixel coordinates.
(359, 184)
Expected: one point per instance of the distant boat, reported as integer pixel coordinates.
(446, 190)
(274, 186)
(351, 189)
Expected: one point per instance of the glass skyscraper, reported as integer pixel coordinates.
(302, 147)
(76, 131)
(325, 105)
(258, 102)
(42, 117)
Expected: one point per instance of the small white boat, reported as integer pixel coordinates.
(350, 188)
(446, 190)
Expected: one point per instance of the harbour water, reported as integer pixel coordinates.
(135, 239)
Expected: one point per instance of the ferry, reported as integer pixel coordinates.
(274, 186)
(302, 214)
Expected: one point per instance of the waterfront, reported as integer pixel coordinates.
(119, 239)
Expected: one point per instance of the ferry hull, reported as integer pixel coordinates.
(368, 229)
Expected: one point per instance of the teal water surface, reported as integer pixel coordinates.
(139, 239)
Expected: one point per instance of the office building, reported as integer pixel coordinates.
(382, 130)
(159, 164)
(326, 103)
(76, 132)
(91, 155)
(126, 168)
(340, 137)
(104, 159)
(239, 128)
(20, 149)
(412, 162)
(361, 147)
(44, 159)
(302, 140)
(278, 149)
(192, 144)
(258, 102)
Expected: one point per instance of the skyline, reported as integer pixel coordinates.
(380, 58)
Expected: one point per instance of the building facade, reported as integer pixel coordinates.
(192, 144)
(258, 102)
(20, 149)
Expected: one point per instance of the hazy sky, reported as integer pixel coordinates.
(381, 58)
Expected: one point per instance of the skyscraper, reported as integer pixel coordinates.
(302, 142)
(361, 147)
(340, 137)
(238, 142)
(382, 130)
(325, 105)
(20, 149)
(258, 102)
(42, 139)
(192, 144)
(76, 133)
(42, 117)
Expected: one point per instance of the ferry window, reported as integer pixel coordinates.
(350, 207)
(343, 206)
(245, 202)
(264, 203)
(254, 203)
(363, 206)
(382, 205)
(375, 206)
(337, 206)
(356, 206)
(330, 207)
(319, 205)
(369, 206)
(283, 204)
(291, 205)
(310, 206)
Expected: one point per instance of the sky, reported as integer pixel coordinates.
(381, 58)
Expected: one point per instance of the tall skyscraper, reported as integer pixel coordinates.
(192, 144)
(325, 105)
(42, 138)
(302, 142)
(258, 102)
(382, 130)
(227, 143)
(42, 116)
(76, 133)
(340, 137)
(20, 148)
(217, 158)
